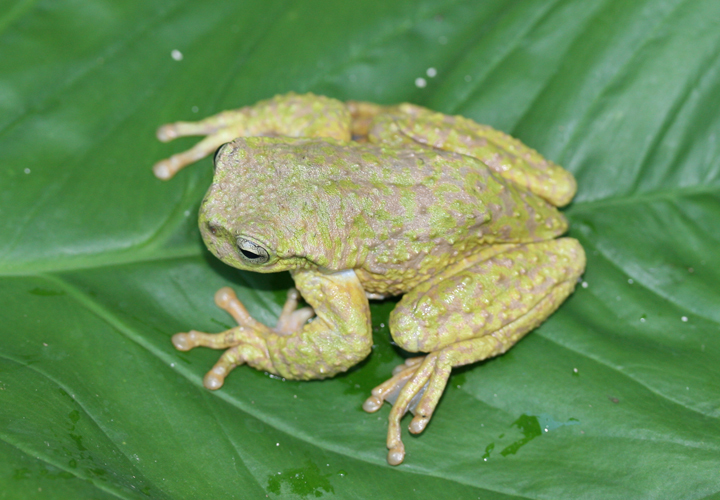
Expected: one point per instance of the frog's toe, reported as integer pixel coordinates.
(193, 338)
(430, 396)
(404, 389)
(239, 350)
(372, 404)
(249, 349)
(167, 132)
(396, 455)
(166, 169)
(244, 343)
(409, 362)
(415, 386)
(291, 318)
(226, 300)
(396, 449)
(183, 341)
(388, 390)
(418, 424)
(163, 170)
(215, 378)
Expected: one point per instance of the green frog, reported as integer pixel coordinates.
(361, 201)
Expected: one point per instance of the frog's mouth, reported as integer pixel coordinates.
(239, 251)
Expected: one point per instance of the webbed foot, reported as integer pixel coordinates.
(415, 386)
(245, 343)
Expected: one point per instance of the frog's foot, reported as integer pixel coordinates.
(244, 343)
(291, 318)
(415, 386)
(219, 129)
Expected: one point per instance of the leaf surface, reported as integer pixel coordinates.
(617, 395)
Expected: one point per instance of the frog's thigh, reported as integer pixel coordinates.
(474, 310)
(502, 298)
(506, 156)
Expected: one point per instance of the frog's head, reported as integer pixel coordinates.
(279, 203)
(244, 251)
(241, 221)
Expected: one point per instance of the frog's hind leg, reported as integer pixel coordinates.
(290, 115)
(505, 155)
(474, 310)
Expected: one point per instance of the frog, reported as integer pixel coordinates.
(362, 201)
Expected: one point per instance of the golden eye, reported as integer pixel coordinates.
(251, 252)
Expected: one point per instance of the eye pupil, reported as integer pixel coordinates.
(251, 252)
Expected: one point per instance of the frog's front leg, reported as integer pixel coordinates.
(476, 309)
(290, 115)
(335, 340)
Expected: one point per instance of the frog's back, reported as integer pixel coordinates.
(394, 215)
(439, 206)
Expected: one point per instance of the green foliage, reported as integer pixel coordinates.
(616, 396)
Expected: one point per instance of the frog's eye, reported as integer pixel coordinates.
(217, 153)
(251, 252)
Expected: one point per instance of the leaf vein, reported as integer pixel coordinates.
(508, 49)
(629, 63)
(111, 319)
(95, 422)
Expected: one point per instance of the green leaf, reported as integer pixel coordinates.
(617, 395)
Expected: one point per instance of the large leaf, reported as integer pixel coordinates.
(616, 396)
